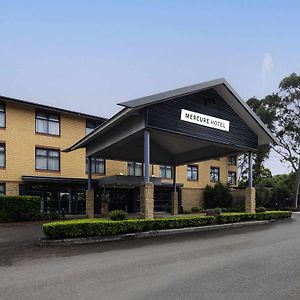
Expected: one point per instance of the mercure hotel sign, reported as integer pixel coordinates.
(204, 120)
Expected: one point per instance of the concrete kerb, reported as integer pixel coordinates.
(146, 234)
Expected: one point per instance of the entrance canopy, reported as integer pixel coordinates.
(185, 125)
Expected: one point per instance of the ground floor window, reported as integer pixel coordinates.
(2, 189)
(214, 174)
(47, 159)
(192, 172)
(135, 169)
(165, 171)
(232, 177)
(98, 165)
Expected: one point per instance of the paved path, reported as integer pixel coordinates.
(245, 263)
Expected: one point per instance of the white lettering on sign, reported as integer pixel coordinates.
(204, 120)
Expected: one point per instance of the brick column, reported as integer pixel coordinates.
(147, 201)
(250, 203)
(89, 204)
(174, 204)
(104, 208)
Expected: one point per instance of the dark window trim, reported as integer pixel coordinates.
(3, 144)
(97, 173)
(48, 113)
(218, 168)
(165, 166)
(228, 162)
(4, 184)
(235, 177)
(48, 149)
(135, 162)
(193, 166)
(4, 107)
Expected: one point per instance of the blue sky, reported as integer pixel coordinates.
(90, 55)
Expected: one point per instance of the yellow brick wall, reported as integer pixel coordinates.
(20, 139)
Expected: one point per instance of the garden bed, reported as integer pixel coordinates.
(100, 227)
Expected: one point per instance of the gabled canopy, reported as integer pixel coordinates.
(173, 140)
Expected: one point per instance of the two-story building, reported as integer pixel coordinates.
(32, 137)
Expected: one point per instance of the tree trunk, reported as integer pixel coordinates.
(297, 184)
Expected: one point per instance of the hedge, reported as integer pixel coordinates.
(100, 227)
(19, 208)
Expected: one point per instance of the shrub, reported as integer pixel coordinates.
(217, 196)
(100, 227)
(186, 211)
(117, 215)
(260, 209)
(19, 208)
(278, 214)
(196, 209)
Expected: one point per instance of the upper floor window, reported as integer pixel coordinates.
(98, 165)
(47, 159)
(2, 189)
(192, 172)
(232, 178)
(47, 123)
(90, 126)
(2, 155)
(135, 169)
(232, 160)
(165, 171)
(214, 174)
(2, 115)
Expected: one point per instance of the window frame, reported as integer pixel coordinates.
(47, 156)
(164, 167)
(135, 163)
(4, 113)
(229, 160)
(48, 114)
(4, 190)
(235, 177)
(86, 126)
(94, 171)
(192, 167)
(4, 146)
(210, 174)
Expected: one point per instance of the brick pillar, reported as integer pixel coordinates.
(89, 204)
(174, 204)
(104, 208)
(250, 203)
(147, 201)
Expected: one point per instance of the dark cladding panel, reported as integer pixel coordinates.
(167, 116)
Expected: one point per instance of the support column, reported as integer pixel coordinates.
(90, 192)
(147, 188)
(174, 204)
(250, 203)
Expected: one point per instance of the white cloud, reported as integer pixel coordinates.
(266, 66)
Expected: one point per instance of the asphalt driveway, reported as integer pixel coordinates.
(260, 262)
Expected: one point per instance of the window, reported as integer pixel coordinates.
(232, 160)
(47, 159)
(135, 169)
(214, 174)
(165, 171)
(2, 189)
(47, 123)
(232, 178)
(2, 155)
(192, 172)
(98, 165)
(90, 126)
(2, 115)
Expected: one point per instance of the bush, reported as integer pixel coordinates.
(196, 209)
(117, 215)
(260, 209)
(100, 227)
(19, 208)
(217, 196)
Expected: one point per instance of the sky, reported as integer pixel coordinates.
(89, 55)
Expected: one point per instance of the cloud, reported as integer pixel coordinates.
(267, 65)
